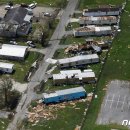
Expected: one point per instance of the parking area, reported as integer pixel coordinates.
(116, 104)
(2, 11)
(38, 11)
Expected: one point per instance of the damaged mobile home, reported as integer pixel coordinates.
(102, 20)
(108, 11)
(73, 77)
(92, 31)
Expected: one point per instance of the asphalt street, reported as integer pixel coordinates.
(40, 73)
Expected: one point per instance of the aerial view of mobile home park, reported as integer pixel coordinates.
(65, 65)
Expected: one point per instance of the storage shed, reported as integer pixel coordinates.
(92, 31)
(6, 67)
(73, 77)
(102, 20)
(64, 95)
(13, 52)
(108, 11)
(78, 60)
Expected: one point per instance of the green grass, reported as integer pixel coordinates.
(3, 124)
(72, 25)
(95, 3)
(116, 67)
(67, 119)
(51, 3)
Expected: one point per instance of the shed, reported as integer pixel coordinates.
(13, 52)
(6, 67)
(64, 95)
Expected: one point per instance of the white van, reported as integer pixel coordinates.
(32, 6)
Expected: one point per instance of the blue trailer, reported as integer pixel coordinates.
(64, 95)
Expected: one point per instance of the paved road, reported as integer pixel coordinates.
(40, 73)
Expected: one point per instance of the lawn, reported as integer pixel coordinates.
(50, 3)
(67, 119)
(116, 67)
(3, 124)
(95, 3)
(22, 67)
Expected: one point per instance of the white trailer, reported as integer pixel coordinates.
(78, 60)
(6, 67)
(102, 20)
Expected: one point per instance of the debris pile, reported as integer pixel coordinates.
(74, 48)
(85, 47)
(48, 112)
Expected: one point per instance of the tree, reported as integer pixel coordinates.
(6, 86)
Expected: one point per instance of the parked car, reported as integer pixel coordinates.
(8, 7)
(13, 42)
(47, 14)
(31, 44)
(32, 6)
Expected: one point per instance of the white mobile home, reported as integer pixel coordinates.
(92, 31)
(102, 20)
(6, 67)
(102, 11)
(73, 77)
(13, 52)
(78, 60)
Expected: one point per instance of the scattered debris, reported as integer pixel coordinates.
(49, 112)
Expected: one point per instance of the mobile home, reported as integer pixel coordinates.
(6, 67)
(102, 20)
(78, 60)
(92, 31)
(109, 11)
(73, 77)
(64, 95)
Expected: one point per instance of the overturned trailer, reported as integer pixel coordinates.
(64, 95)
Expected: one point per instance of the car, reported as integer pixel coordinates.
(13, 42)
(32, 6)
(8, 7)
(47, 14)
(31, 44)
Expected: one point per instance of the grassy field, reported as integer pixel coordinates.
(67, 119)
(51, 3)
(116, 67)
(95, 3)
(3, 124)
